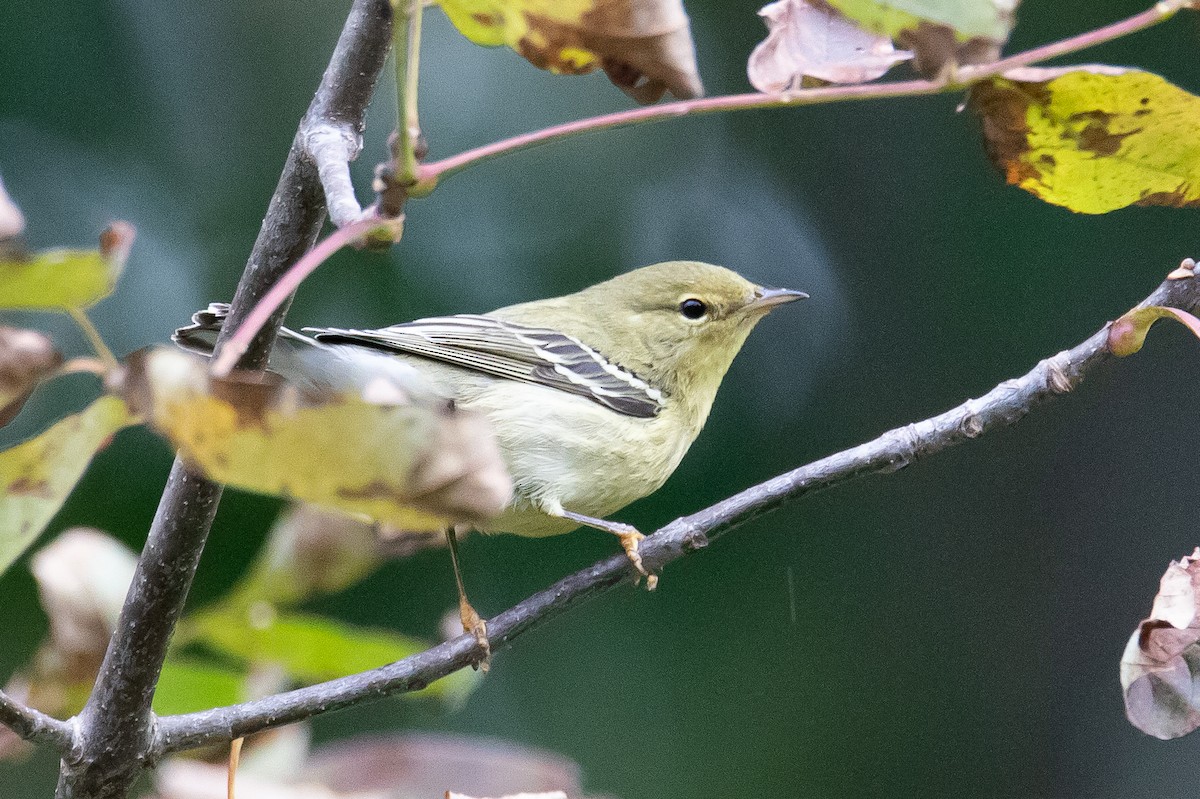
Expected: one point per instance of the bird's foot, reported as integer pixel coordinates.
(474, 624)
(631, 539)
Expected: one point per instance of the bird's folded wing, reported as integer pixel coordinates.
(515, 352)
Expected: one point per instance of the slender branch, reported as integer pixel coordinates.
(116, 727)
(1002, 406)
(33, 725)
(434, 171)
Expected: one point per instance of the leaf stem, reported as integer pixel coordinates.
(966, 75)
(406, 48)
(93, 335)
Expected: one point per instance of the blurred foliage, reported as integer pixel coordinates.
(915, 634)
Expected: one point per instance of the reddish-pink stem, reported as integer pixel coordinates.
(278, 294)
(432, 172)
(826, 94)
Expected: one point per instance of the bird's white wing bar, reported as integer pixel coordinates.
(513, 352)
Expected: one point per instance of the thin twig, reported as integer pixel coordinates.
(115, 728)
(438, 170)
(33, 725)
(1002, 406)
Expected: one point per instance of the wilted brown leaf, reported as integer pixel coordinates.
(376, 452)
(26, 358)
(644, 46)
(1161, 664)
(811, 39)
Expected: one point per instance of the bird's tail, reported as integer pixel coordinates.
(201, 335)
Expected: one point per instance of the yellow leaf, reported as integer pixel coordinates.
(37, 476)
(1093, 139)
(412, 465)
(645, 47)
(64, 279)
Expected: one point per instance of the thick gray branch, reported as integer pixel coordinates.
(33, 725)
(115, 730)
(1002, 406)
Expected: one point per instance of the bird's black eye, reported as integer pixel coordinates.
(693, 308)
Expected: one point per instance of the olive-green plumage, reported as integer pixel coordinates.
(568, 452)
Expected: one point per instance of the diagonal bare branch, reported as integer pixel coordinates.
(1002, 406)
(33, 725)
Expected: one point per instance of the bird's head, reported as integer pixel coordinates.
(678, 324)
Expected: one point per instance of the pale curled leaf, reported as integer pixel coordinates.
(1093, 139)
(804, 39)
(37, 476)
(409, 464)
(1127, 334)
(12, 221)
(82, 578)
(540, 795)
(1160, 669)
(26, 358)
(645, 47)
(64, 279)
(410, 766)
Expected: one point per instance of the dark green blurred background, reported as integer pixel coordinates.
(951, 630)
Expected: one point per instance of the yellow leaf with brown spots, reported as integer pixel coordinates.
(63, 279)
(1093, 139)
(392, 458)
(37, 476)
(645, 46)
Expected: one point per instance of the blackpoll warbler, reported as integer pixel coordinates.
(594, 397)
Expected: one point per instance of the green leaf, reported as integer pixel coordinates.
(310, 648)
(37, 476)
(65, 279)
(187, 686)
(969, 19)
(1093, 139)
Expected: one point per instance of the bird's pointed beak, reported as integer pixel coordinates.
(766, 298)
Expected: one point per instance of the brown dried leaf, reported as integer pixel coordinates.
(1160, 669)
(811, 39)
(644, 46)
(26, 358)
